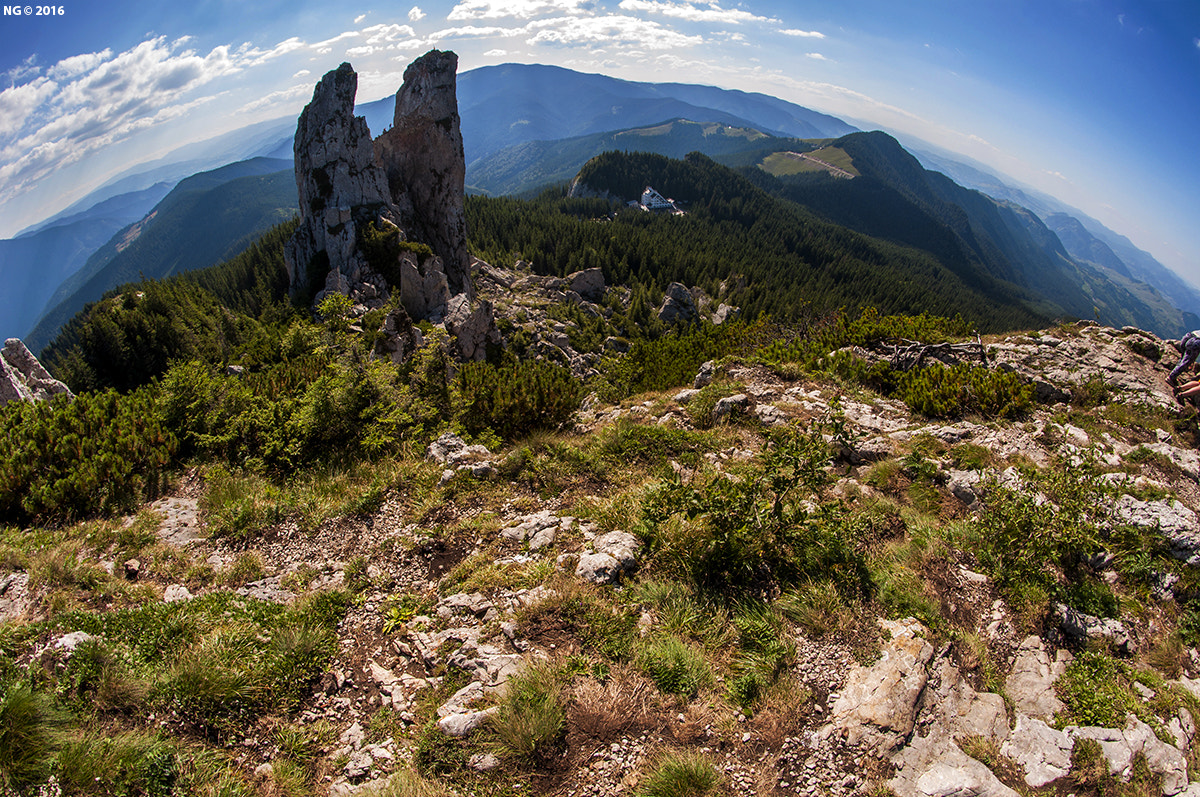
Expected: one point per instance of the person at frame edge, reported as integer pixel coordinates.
(1190, 343)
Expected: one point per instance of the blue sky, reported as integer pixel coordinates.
(1093, 101)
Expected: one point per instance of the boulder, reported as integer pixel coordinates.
(23, 378)
(460, 725)
(678, 305)
(397, 338)
(1084, 628)
(589, 284)
(963, 778)
(877, 707)
(424, 288)
(734, 405)
(473, 327)
(598, 568)
(614, 554)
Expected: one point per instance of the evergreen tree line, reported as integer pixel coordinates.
(792, 263)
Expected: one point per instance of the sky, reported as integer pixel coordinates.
(1095, 102)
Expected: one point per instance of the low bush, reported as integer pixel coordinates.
(530, 720)
(676, 667)
(515, 399)
(66, 459)
(29, 736)
(681, 774)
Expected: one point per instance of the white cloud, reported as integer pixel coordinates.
(256, 57)
(415, 14)
(359, 18)
(377, 34)
(816, 56)
(475, 32)
(522, 9)
(99, 99)
(24, 70)
(805, 34)
(609, 30)
(497, 53)
(276, 97)
(77, 64)
(713, 14)
(302, 73)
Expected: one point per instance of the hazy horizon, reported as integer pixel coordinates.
(1089, 101)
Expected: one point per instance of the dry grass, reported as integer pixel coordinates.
(626, 702)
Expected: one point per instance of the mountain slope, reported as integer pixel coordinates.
(896, 198)
(512, 103)
(522, 167)
(206, 218)
(37, 261)
(788, 263)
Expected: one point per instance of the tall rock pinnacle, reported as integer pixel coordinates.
(361, 201)
(340, 185)
(423, 157)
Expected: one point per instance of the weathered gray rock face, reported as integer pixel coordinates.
(1121, 746)
(1083, 628)
(1043, 752)
(22, 377)
(878, 705)
(472, 325)
(423, 158)
(1172, 519)
(1030, 686)
(679, 306)
(340, 185)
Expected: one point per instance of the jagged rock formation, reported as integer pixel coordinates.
(22, 377)
(340, 185)
(362, 200)
(423, 158)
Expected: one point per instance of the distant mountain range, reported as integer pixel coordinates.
(209, 217)
(529, 126)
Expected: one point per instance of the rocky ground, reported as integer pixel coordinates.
(434, 635)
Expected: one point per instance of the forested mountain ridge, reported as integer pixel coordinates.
(205, 219)
(792, 262)
(520, 168)
(896, 198)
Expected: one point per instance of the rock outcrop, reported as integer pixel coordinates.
(22, 377)
(363, 201)
(340, 185)
(426, 169)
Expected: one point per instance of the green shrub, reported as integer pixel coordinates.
(683, 774)
(763, 652)
(66, 459)
(438, 754)
(29, 735)
(102, 764)
(1096, 690)
(515, 399)
(817, 607)
(676, 667)
(759, 532)
(1034, 547)
(530, 719)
